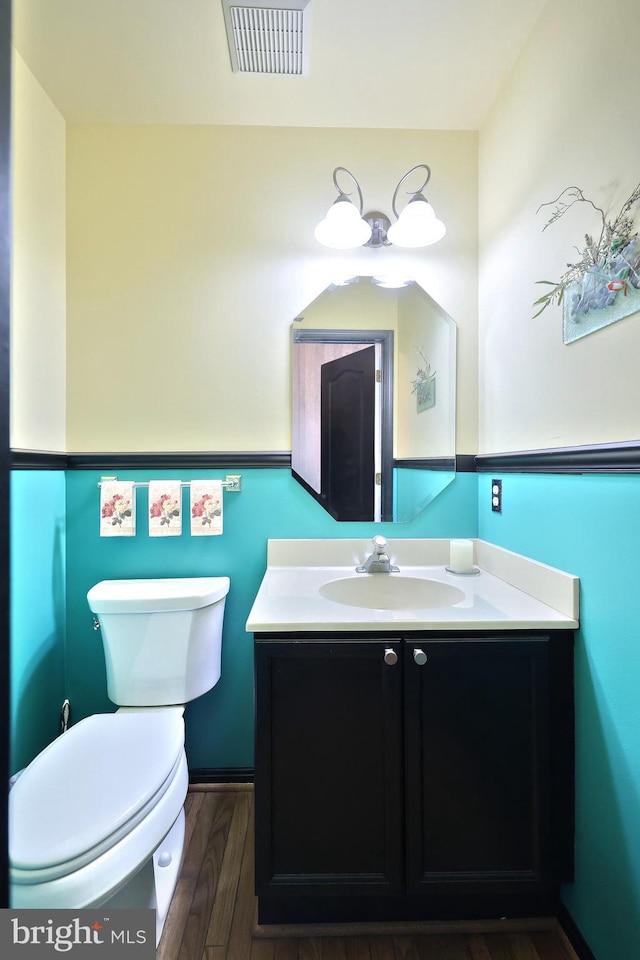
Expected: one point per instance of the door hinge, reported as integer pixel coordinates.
(378, 376)
(378, 480)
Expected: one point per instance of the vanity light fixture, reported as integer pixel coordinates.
(345, 227)
(417, 224)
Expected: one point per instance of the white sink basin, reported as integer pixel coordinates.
(384, 591)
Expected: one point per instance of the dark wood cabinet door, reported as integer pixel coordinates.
(328, 768)
(477, 742)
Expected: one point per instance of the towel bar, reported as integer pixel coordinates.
(232, 482)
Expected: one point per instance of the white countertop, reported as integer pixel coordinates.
(510, 592)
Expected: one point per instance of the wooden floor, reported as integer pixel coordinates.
(213, 914)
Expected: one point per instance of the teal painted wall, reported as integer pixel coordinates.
(415, 489)
(37, 611)
(590, 526)
(271, 505)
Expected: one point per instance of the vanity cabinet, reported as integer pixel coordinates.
(423, 776)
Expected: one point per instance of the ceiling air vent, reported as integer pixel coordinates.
(267, 37)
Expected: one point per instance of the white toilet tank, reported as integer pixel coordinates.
(162, 638)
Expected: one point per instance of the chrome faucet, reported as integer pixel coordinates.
(378, 561)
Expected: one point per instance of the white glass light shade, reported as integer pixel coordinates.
(417, 226)
(343, 228)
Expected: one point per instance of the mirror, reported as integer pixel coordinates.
(373, 364)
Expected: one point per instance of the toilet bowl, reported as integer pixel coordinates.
(97, 818)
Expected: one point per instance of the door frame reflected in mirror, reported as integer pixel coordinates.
(318, 479)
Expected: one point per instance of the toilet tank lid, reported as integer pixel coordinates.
(147, 596)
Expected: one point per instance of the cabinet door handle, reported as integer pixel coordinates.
(390, 657)
(419, 656)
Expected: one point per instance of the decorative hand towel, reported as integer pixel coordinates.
(117, 509)
(165, 508)
(206, 508)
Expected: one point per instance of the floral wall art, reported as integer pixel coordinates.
(424, 385)
(603, 285)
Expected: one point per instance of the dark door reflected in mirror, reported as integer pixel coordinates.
(343, 427)
(347, 422)
(373, 400)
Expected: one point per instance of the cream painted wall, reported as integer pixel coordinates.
(38, 364)
(568, 116)
(422, 327)
(191, 250)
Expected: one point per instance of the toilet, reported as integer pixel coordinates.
(97, 818)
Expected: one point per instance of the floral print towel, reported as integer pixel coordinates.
(117, 509)
(165, 508)
(206, 508)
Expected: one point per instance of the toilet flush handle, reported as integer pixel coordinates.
(96, 623)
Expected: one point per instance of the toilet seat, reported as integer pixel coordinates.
(110, 778)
